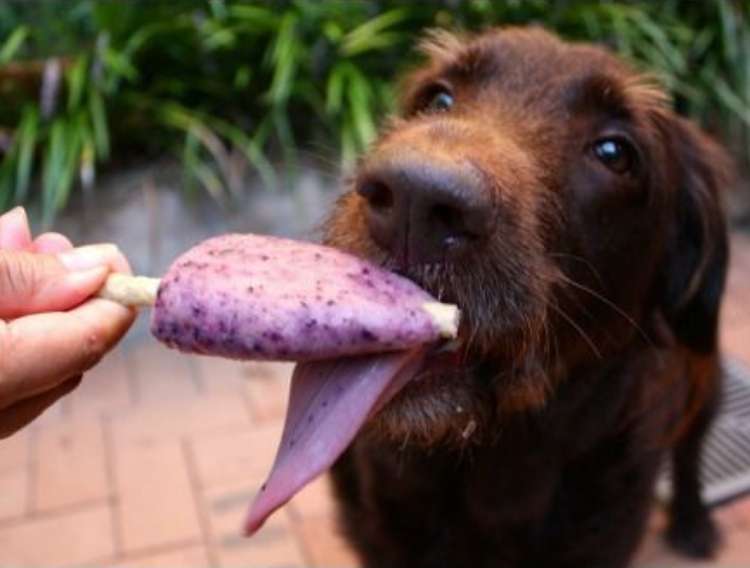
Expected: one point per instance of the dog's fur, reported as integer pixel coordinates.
(589, 334)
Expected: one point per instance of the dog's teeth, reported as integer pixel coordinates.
(448, 346)
(469, 430)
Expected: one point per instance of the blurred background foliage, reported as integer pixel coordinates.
(233, 87)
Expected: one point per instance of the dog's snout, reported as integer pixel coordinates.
(424, 212)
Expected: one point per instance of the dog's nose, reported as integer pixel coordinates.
(424, 212)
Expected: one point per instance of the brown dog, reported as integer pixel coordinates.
(546, 189)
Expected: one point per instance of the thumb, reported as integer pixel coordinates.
(32, 283)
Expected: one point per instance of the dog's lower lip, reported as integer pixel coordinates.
(449, 346)
(442, 354)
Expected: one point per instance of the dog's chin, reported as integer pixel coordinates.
(452, 404)
(457, 396)
(441, 406)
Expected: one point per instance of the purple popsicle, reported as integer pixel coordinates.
(359, 332)
(266, 298)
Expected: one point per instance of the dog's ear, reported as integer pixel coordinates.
(697, 246)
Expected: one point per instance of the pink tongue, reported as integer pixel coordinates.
(329, 402)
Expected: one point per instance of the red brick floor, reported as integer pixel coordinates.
(153, 460)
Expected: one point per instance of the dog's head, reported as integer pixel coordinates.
(546, 189)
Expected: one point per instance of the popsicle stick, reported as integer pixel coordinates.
(445, 317)
(136, 291)
(140, 291)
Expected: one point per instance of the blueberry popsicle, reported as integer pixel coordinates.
(359, 334)
(247, 296)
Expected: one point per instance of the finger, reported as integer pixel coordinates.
(89, 256)
(40, 350)
(32, 283)
(14, 230)
(21, 414)
(51, 243)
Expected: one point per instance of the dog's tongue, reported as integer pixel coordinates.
(329, 402)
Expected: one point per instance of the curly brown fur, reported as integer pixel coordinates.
(590, 310)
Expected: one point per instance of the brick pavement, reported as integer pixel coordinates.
(153, 461)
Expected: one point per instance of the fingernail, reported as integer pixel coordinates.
(86, 257)
(13, 213)
(14, 229)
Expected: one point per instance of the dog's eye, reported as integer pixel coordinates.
(439, 101)
(615, 153)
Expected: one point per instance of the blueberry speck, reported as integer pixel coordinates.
(275, 337)
(367, 335)
(250, 289)
(311, 323)
(264, 257)
(330, 303)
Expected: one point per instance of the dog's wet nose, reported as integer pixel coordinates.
(423, 212)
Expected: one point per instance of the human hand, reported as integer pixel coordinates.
(51, 329)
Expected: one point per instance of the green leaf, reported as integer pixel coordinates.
(242, 77)
(13, 44)
(6, 180)
(728, 27)
(732, 101)
(284, 58)
(360, 96)
(370, 35)
(26, 138)
(671, 53)
(72, 159)
(382, 41)
(76, 77)
(60, 165)
(98, 115)
(263, 19)
(348, 145)
(218, 9)
(335, 88)
(120, 64)
(52, 169)
(283, 129)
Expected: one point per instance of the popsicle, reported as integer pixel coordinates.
(359, 334)
(266, 298)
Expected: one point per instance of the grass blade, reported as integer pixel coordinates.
(26, 142)
(13, 44)
(98, 117)
(76, 78)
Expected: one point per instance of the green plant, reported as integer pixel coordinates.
(231, 84)
(64, 144)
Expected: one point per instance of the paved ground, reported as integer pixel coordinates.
(153, 461)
